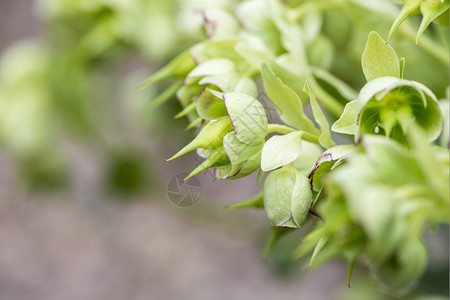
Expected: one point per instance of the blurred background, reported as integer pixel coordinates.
(84, 209)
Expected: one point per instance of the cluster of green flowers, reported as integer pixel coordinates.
(374, 195)
(51, 86)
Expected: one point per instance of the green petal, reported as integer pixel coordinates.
(281, 150)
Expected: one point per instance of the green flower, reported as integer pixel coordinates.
(389, 106)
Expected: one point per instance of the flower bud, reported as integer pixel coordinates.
(287, 197)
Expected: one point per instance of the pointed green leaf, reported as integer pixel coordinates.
(209, 137)
(254, 202)
(431, 9)
(410, 7)
(185, 111)
(325, 138)
(260, 176)
(194, 123)
(319, 246)
(379, 59)
(286, 101)
(281, 150)
(286, 68)
(216, 157)
(351, 265)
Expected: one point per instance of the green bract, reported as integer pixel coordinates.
(287, 197)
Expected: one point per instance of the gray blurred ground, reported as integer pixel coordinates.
(85, 246)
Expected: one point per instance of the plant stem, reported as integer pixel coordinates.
(280, 129)
(286, 129)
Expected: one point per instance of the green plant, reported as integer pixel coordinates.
(371, 195)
